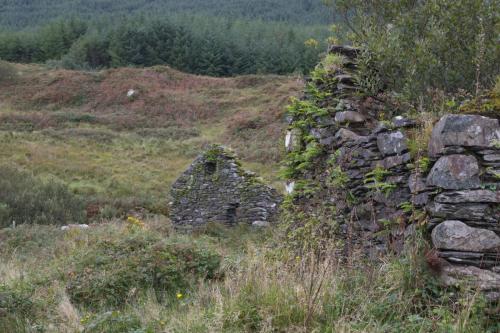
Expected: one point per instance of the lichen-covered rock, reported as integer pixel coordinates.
(349, 117)
(455, 172)
(456, 235)
(478, 196)
(216, 189)
(464, 211)
(416, 183)
(392, 143)
(463, 130)
(480, 278)
(292, 140)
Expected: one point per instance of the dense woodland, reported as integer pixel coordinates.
(217, 38)
(18, 14)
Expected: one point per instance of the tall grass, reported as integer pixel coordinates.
(263, 289)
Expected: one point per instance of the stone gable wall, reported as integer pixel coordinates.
(216, 189)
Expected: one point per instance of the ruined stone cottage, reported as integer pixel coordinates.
(215, 188)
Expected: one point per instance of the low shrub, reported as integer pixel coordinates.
(26, 199)
(114, 271)
(7, 72)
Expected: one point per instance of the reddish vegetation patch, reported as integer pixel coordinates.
(251, 107)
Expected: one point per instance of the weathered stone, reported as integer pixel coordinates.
(420, 199)
(456, 235)
(393, 161)
(344, 135)
(216, 189)
(416, 183)
(455, 172)
(492, 158)
(400, 121)
(261, 224)
(349, 117)
(321, 132)
(463, 211)
(292, 140)
(391, 143)
(479, 259)
(325, 120)
(473, 276)
(463, 130)
(479, 196)
(327, 141)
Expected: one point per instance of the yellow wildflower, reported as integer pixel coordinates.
(179, 295)
(132, 221)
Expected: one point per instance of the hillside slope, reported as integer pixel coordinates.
(20, 14)
(126, 134)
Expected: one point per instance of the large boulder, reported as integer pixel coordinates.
(455, 172)
(456, 235)
(463, 130)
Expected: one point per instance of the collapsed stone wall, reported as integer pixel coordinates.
(371, 155)
(365, 170)
(216, 189)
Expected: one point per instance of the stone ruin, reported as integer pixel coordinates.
(459, 191)
(352, 137)
(215, 188)
(463, 187)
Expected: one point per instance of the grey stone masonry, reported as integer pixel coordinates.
(366, 172)
(358, 144)
(216, 189)
(464, 205)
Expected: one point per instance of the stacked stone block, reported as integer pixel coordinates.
(464, 190)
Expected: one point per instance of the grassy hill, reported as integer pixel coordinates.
(83, 129)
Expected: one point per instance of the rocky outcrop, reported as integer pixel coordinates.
(464, 201)
(216, 189)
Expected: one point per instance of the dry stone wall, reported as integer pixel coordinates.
(464, 199)
(362, 167)
(370, 155)
(216, 189)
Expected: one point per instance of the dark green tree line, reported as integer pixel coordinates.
(201, 45)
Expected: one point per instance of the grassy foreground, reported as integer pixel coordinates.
(83, 143)
(141, 276)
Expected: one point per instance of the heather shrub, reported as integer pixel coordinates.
(7, 72)
(416, 48)
(26, 199)
(113, 272)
